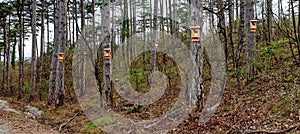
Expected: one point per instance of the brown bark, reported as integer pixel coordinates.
(250, 42)
(240, 35)
(20, 48)
(40, 74)
(196, 53)
(53, 71)
(105, 12)
(154, 37)
(33, 53)
(61, 42)
(230, 33)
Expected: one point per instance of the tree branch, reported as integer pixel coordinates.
(275, 132)
(64, 124)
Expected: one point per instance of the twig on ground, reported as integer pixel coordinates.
(64, 124)
(274, 132)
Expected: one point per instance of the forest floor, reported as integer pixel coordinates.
(15, 121)
(269, 104)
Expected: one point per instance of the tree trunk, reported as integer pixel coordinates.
(8, 88)
(230, 34)
(298, 32)
(171, 17)
(265, 34)
(61, 42)
(154, 40)
(295, 27)
(196, 53)
(240, 35)
(144, 35)
(42, 49)
(269, 19)
(222, 27)
(4, 77)
(48, 29)
(21, 59)
(76, 21)
(237, 10)
(250, 41)
(74, 10)
(105, 12)
(53, 71)
(82, 15)
(33, 53)
(211, 15)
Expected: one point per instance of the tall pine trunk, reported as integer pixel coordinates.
(51, 92)
(250, 41)
(105, 12)
(61, 41)
(240, 35)
(196, 53)
(20, 48)
(33, 53)
(42, 49)
(154, 40)
(230, 33)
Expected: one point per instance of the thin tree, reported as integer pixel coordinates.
(230, 32)
(33, 53)
(4, 77)
(250, 41)
(269, 19)
(82, 15)
(241, 35)
(40, 74)
(298, 32)
(222, 26)
(154, 40)
(53, 70)
(8, 65)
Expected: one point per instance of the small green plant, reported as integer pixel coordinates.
(296, 91)
(288, 79)
(288, 63)
(239, 72)
(89, 126)
(133, 109)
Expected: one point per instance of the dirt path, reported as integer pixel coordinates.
(13, 121)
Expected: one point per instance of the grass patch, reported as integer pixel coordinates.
(89, 126)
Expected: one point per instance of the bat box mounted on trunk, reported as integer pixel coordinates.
(253, 26)
(156, 45)
(60, 57)
(195, 33)
(106, 53)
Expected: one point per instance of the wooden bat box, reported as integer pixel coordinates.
(195, 33)
(107, 53)
(60, 57)
(253, 26)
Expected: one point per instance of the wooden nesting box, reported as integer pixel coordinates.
(106, 53)
(253, 26)
(60, 57)
(195, 33)
(156, 45)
